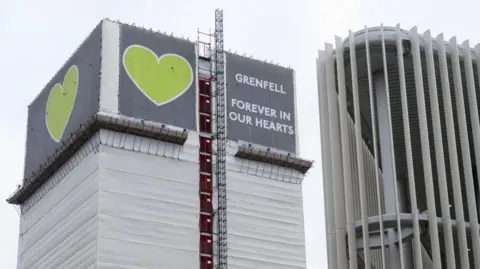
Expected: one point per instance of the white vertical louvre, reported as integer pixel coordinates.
(359, 144)
(370, 193)
(467, 163)
(400, 130)
(452, 151)
(408, 147)
(327, 163)
(352, 152)
(337, 169)
(472, 99)
(375, 147)
(346, 158)
(438, 140)
(425, 147)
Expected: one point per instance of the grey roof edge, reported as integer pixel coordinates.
(389, 33)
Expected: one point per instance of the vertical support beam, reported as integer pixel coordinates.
(221, 141)
(326, 157)
(467, 163)
(337, 170)
(359, 147)
(375, 146)
(385, 148)
(426, 259)
(388, 161)
(346, 160)
(439, 154)
(389, 191)
(408, 148)
(452, 151)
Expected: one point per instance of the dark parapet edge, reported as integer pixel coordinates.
(76, 140)
(276, 158)
(258, 60)
(151, 30)
(186, 39)
(374, 36)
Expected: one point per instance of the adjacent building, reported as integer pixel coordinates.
(400, 146)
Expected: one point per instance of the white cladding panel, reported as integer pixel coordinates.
(149, 210)
(265, 223)
(60, 230)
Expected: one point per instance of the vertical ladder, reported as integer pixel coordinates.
(220, 134)
(205, 77)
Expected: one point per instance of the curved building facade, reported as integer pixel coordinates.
(400, 146)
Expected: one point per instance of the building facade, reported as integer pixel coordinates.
(129, 163)
(400, 146)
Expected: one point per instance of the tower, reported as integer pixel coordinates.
(128, 165)
(399, 124)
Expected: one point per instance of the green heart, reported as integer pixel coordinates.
(60, 103)
(161, 79)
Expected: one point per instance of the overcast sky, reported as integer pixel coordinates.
(36, 37)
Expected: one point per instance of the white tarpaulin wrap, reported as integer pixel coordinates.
(148, 204)
(133, 202)
(60, 230)
(149, 211)
(265, 223)
(130, 203)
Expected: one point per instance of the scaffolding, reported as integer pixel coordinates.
(211, 68)
(221, 140)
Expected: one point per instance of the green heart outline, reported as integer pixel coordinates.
(71, 108)
(158, 61)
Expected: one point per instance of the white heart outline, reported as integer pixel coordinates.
(73, 105)
(158, 61)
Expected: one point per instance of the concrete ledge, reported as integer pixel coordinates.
(98, 121)
(276, 158)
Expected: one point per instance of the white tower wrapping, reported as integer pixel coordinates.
(121, 169)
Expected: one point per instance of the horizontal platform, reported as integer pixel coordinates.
(76, 140)
(267, 156)
(406, 221)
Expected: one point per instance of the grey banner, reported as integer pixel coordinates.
(66, 102)
(260, 103)
(157, 78)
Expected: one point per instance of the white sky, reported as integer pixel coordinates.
(37, 37)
